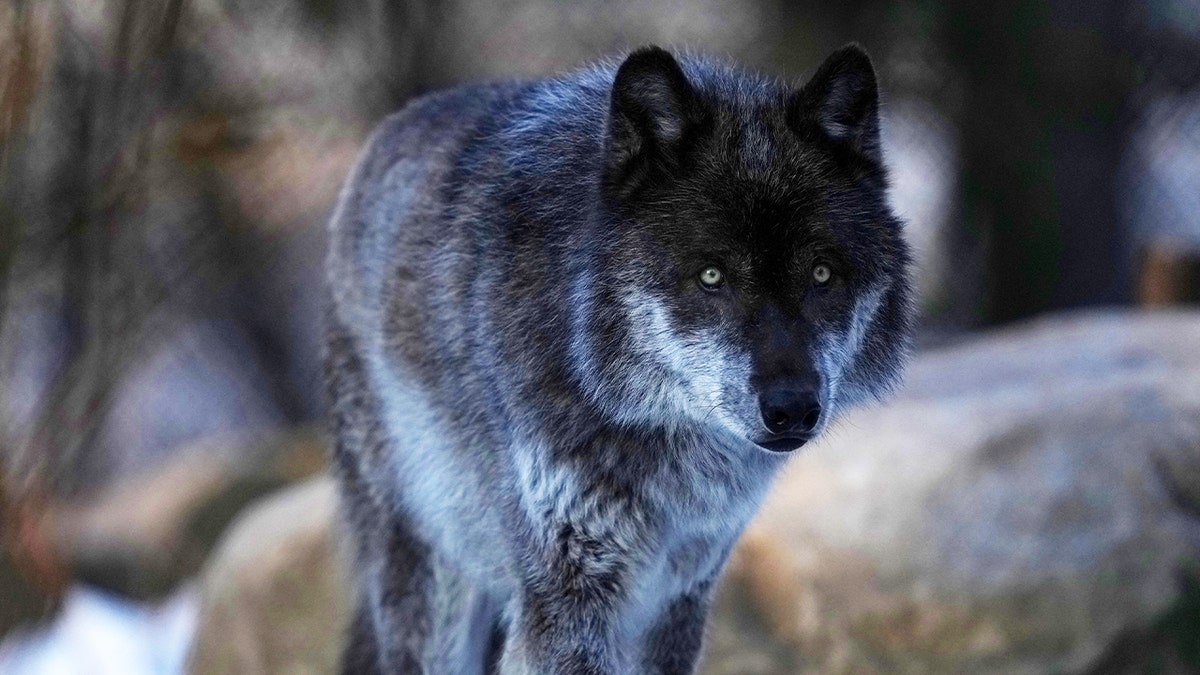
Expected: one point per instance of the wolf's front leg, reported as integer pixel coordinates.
(672, 646)
(564, 640)
(563, 619)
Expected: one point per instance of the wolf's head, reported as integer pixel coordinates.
(755, 278)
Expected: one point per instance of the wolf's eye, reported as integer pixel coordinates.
(711, 277)
(822, 273)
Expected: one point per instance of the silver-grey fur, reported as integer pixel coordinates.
(548, 436)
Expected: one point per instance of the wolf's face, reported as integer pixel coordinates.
(758, 267)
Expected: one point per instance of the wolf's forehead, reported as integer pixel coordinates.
(756, 145)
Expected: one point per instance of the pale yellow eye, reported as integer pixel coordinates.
(711, 277)
(822, 273)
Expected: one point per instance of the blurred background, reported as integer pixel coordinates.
(1029, 503)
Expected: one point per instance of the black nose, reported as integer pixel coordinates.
(788, 411)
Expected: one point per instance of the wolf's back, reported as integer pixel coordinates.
(391, 201)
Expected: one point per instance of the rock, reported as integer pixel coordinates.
(275, 596)
(1030, 503)
(145, 534)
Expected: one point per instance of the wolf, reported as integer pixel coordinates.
(574, 326)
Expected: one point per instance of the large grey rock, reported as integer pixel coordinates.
(144, 534)
(1030, 503)
(275, 596)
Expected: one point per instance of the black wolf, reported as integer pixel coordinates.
(575, 326)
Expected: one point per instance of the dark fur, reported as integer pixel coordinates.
(526, 467)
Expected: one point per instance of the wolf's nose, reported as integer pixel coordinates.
(791, 412)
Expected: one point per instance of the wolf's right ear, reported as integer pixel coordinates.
(652, 109)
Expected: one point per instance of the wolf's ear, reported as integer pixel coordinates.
(652, 109)
(841, 101)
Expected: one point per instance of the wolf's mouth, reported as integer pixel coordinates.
(782, 443)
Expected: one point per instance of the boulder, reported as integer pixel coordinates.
(144, 534)
(1029, 503)
(274, 597)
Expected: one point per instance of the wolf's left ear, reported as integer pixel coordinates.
(652, 109)
(841, 101)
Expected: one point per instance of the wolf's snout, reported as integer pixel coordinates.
(791, 411)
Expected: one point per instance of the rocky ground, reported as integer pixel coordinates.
(1029, 503)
